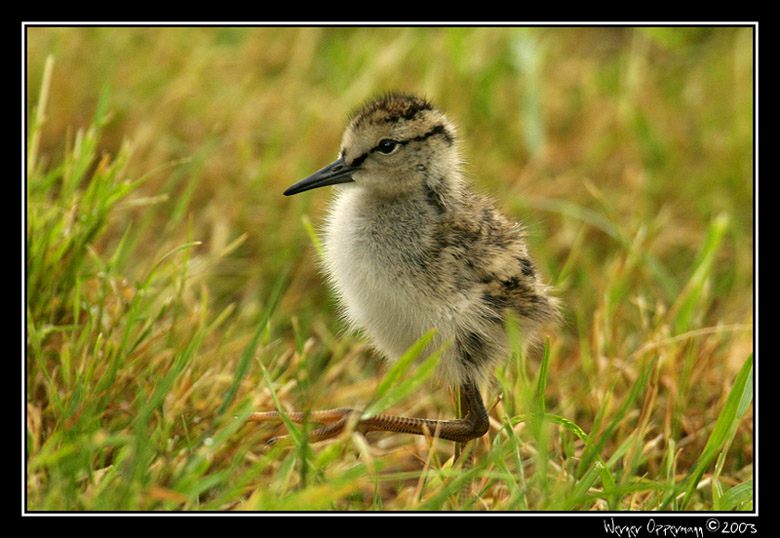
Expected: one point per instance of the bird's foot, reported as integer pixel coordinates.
(333, 422)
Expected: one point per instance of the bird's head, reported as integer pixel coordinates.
(392, 145)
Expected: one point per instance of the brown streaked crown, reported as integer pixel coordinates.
(390, 108)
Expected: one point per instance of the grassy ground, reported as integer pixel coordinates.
(172, 290)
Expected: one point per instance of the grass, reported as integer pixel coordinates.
(171, 289)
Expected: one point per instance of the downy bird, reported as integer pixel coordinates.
(409, 247)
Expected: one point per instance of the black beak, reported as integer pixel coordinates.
(335, 172)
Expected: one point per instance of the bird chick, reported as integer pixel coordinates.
(410, 247)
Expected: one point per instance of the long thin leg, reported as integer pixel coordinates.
(461, 408)
(474, 424)
(334, 421)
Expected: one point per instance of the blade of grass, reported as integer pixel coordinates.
(138, 470)
(541, 381)
(313, 237)
(251, 348)
(40, 116)
(390, 390)
(450, 488)
(737, 496)
(740, 396)
(295, 432)
(592, 450)
(539, 427)
(406, 387)
(194, 478)
(314, 497)
(685, 306)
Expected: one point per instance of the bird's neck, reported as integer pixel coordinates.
(433, 188)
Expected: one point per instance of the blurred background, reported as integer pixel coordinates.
(626, 151)
(649, 127)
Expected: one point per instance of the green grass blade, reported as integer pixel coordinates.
(401, 390)
(739, 398)
(592, 451)
(396, 371)
(313, 237)
(586, 215)
(102, 112)
(737, 497)
(541, 381)
(251, 348)
(294, 431)
(450, 488)
(685, 307)
(314, 497)
(567, 424)
(40, 117)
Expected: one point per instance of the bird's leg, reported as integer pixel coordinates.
(460, 405)
(473, 424)
(333, 421)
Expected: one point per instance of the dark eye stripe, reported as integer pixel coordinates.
(359, 160)
(438, 129)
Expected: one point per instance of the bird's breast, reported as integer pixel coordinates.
(375, 258)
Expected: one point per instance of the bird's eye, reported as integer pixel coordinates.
(387, 146)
